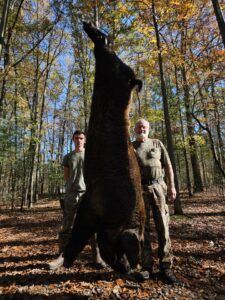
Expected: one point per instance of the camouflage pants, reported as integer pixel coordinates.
(154, 197)
(69, 206)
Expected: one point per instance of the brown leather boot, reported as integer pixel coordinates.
(168, 277)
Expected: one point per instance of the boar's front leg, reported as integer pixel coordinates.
(86, 224)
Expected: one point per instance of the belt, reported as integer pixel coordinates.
(152, 181)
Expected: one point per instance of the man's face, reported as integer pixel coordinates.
(79, 141)
(142, 131)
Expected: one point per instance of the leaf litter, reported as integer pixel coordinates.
(29, 241)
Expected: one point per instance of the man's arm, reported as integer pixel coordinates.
(66, 173)
(66, 169)
(169, 174)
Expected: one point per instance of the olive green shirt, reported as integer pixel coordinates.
(152, 158)
(75, 162)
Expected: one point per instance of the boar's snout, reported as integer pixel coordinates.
(98, 38)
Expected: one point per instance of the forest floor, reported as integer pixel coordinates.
(28, 241)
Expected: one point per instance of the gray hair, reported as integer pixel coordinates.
(142, 121)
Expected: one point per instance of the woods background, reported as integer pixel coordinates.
(46, 77)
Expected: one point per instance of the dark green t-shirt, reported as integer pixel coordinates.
(75, 162)
(152, 158)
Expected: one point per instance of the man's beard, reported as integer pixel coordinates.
(142, 135)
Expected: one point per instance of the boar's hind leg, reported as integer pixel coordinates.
(85, 226)
(112, 252)
(132, 250)
(121, 252)
(131, 247)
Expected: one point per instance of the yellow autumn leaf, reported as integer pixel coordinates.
(21, 102)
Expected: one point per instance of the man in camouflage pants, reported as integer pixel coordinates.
(73, 164)
(153, 160)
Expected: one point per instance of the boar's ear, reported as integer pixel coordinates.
(136, 82)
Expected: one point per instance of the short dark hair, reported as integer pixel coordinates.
(77, 132)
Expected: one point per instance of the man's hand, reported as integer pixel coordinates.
(172, 193)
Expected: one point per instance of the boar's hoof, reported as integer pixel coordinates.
(141, 276)
(68, 262)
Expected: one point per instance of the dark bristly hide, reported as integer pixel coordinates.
(112, 205)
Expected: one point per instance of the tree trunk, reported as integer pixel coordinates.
(204, 168)
(2, 96)
(189, 187)
(95, 13)
(198, 186)
(3, 24)
(63, 126)
(220, 143)
(177, 203)
(6, 43)
(15, 178)
(33, 141)
(215, 153)
(220, 19)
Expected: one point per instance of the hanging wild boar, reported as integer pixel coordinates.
(112, 206)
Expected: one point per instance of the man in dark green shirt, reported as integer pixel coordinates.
(73, 164)
(154, 163)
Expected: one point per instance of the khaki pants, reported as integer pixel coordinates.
(154, 197)
(69, 206)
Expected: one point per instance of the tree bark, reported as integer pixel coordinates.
(189, 186)
(6, 45)
(177, 203)
(3, 24)
(198, 185)
(215, 152)
(220, 142)
(220, 19)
